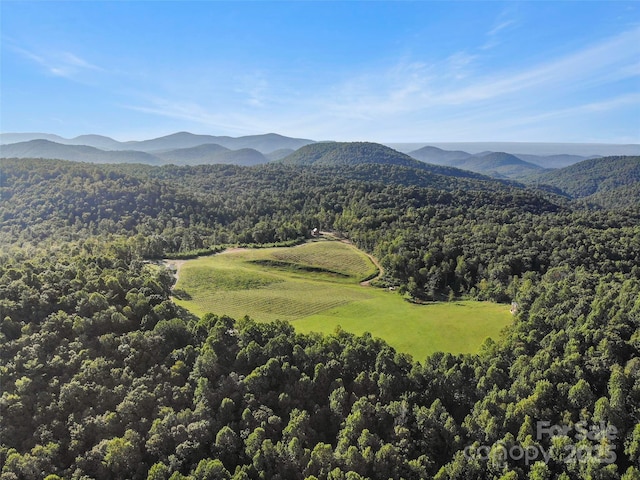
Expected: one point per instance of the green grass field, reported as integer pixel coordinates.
(316, 286)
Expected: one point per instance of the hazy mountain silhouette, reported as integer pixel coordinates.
(76, 153)
(267, 143)
(495, 164)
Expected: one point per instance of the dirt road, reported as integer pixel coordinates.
(374, 260)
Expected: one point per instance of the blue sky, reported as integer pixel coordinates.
(378, 71)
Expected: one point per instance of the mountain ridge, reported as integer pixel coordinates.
(202, 154)
(77, 153)
(264, 143)
(185, 148)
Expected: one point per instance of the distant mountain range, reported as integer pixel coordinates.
(75, 153)
(267, 143)
(202, 154)
(185, 148)
(538, 149)
(495, 164)
(181, 148)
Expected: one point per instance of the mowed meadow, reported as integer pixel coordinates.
(317, 287)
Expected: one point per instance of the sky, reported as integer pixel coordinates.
(384, 71)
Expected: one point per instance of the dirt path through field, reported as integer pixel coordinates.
(374, 260)
(175, 266)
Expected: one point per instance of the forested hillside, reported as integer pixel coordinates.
(348, 153)
(608, 181)
(103, 376)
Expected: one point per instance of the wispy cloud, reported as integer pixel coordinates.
(418, 86)
(455, 97)
(196, 113)
(253, 89)
(461, 94)
(58, 63)
(500, 26)
(505, 21)
(630, 100)
(595, 65)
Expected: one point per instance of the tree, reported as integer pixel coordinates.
(211, 470)
(122, 454)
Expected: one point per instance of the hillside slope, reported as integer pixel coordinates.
(437, 155)
(212, 153)
(279, 154)
(614, 178)
(341, 154)
(552, 161)
(192, 155)
(244, 157)
(497, 164)
(348, 153)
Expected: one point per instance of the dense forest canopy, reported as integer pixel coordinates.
(103, 376)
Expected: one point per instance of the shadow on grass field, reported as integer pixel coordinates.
(419, 330)
(316, 287)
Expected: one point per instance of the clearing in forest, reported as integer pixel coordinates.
(316, 286)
